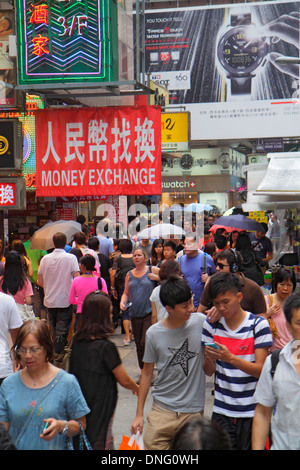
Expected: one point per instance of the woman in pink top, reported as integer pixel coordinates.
(14, 282)
(84, 284)
(284, 284)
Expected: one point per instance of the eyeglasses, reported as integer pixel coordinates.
(23, 351)
(221, 266)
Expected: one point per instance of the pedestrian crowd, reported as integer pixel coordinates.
(194, 308)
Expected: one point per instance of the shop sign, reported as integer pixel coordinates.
(175, 131)
(98, 151)
(7, 194)
(11, 140)
(67, 41)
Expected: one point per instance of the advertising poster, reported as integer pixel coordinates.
(98, 151)
(220, 63)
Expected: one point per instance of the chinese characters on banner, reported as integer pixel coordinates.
(98, 151)
(7, 194)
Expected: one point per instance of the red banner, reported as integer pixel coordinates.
(98, 151)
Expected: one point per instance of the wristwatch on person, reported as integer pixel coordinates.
(66, 429)
(241, 50)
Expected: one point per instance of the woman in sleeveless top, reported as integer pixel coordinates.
(137, 291)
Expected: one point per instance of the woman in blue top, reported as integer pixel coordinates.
(40, 405)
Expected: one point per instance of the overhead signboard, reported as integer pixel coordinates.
(175, 132)
(67, 41)
(12, 193)
(219, 62)
(98, 151)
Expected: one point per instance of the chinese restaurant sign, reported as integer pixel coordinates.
(67, 41)
(98, 151)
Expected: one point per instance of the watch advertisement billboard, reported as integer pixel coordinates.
(219, 62)
(98, 151)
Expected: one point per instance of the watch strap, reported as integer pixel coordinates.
(236, 20)
(241, 85)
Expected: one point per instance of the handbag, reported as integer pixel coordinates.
(26, 312)
(84, 443)
(135, 442)
(62, 360)
(271, 321)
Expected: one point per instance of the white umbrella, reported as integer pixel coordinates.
(162, 231)
(42, 239)
(198, 207)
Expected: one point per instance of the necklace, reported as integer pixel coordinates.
(35, 381)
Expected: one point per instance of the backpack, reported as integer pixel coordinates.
(274, 361)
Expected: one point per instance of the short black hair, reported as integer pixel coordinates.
(93, 243)
(174, 290)
(170, 244)
(88, 261)
(200, 433)
(222, 282)
(283, 274)
(290, 304)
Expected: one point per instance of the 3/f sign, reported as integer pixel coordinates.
(175, 131)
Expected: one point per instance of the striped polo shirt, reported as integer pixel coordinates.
(234, 389)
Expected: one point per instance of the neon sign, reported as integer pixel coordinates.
(67, 41)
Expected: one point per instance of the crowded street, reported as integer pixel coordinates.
(149, 228)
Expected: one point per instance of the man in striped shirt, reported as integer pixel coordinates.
(243, 340)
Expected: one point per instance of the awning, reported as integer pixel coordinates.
(282, 176)
(274, 184)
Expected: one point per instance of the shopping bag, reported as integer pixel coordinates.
(135, 442)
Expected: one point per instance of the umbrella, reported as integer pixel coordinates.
(238, 222)
(198, 207)
(162, 231)
(215, 227)
(42, 238)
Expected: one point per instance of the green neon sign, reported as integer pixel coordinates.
(67, 41)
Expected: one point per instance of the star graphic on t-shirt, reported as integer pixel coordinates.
(182, 356)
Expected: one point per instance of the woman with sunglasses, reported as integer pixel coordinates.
(40, 405)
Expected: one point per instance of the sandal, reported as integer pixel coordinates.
(126, 343)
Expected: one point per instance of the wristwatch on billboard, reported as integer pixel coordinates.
(241, 50)
(224, 162)
(186, 163)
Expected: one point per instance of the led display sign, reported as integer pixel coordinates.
(67, 41)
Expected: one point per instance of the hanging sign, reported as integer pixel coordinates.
(98, 151)
(67, 41)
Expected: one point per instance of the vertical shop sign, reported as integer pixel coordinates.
(7, 194)
(67, 40)
(98, 151)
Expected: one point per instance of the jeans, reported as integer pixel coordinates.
(60, 320)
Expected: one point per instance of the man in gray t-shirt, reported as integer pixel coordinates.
(174, 346)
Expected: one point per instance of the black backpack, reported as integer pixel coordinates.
(274, 361)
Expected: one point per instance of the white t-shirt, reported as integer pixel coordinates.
(160, 309)
(57, 269)
(9, 320)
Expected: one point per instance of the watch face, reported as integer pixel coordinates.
(186, 161)
(241, 51)
(224, 161)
